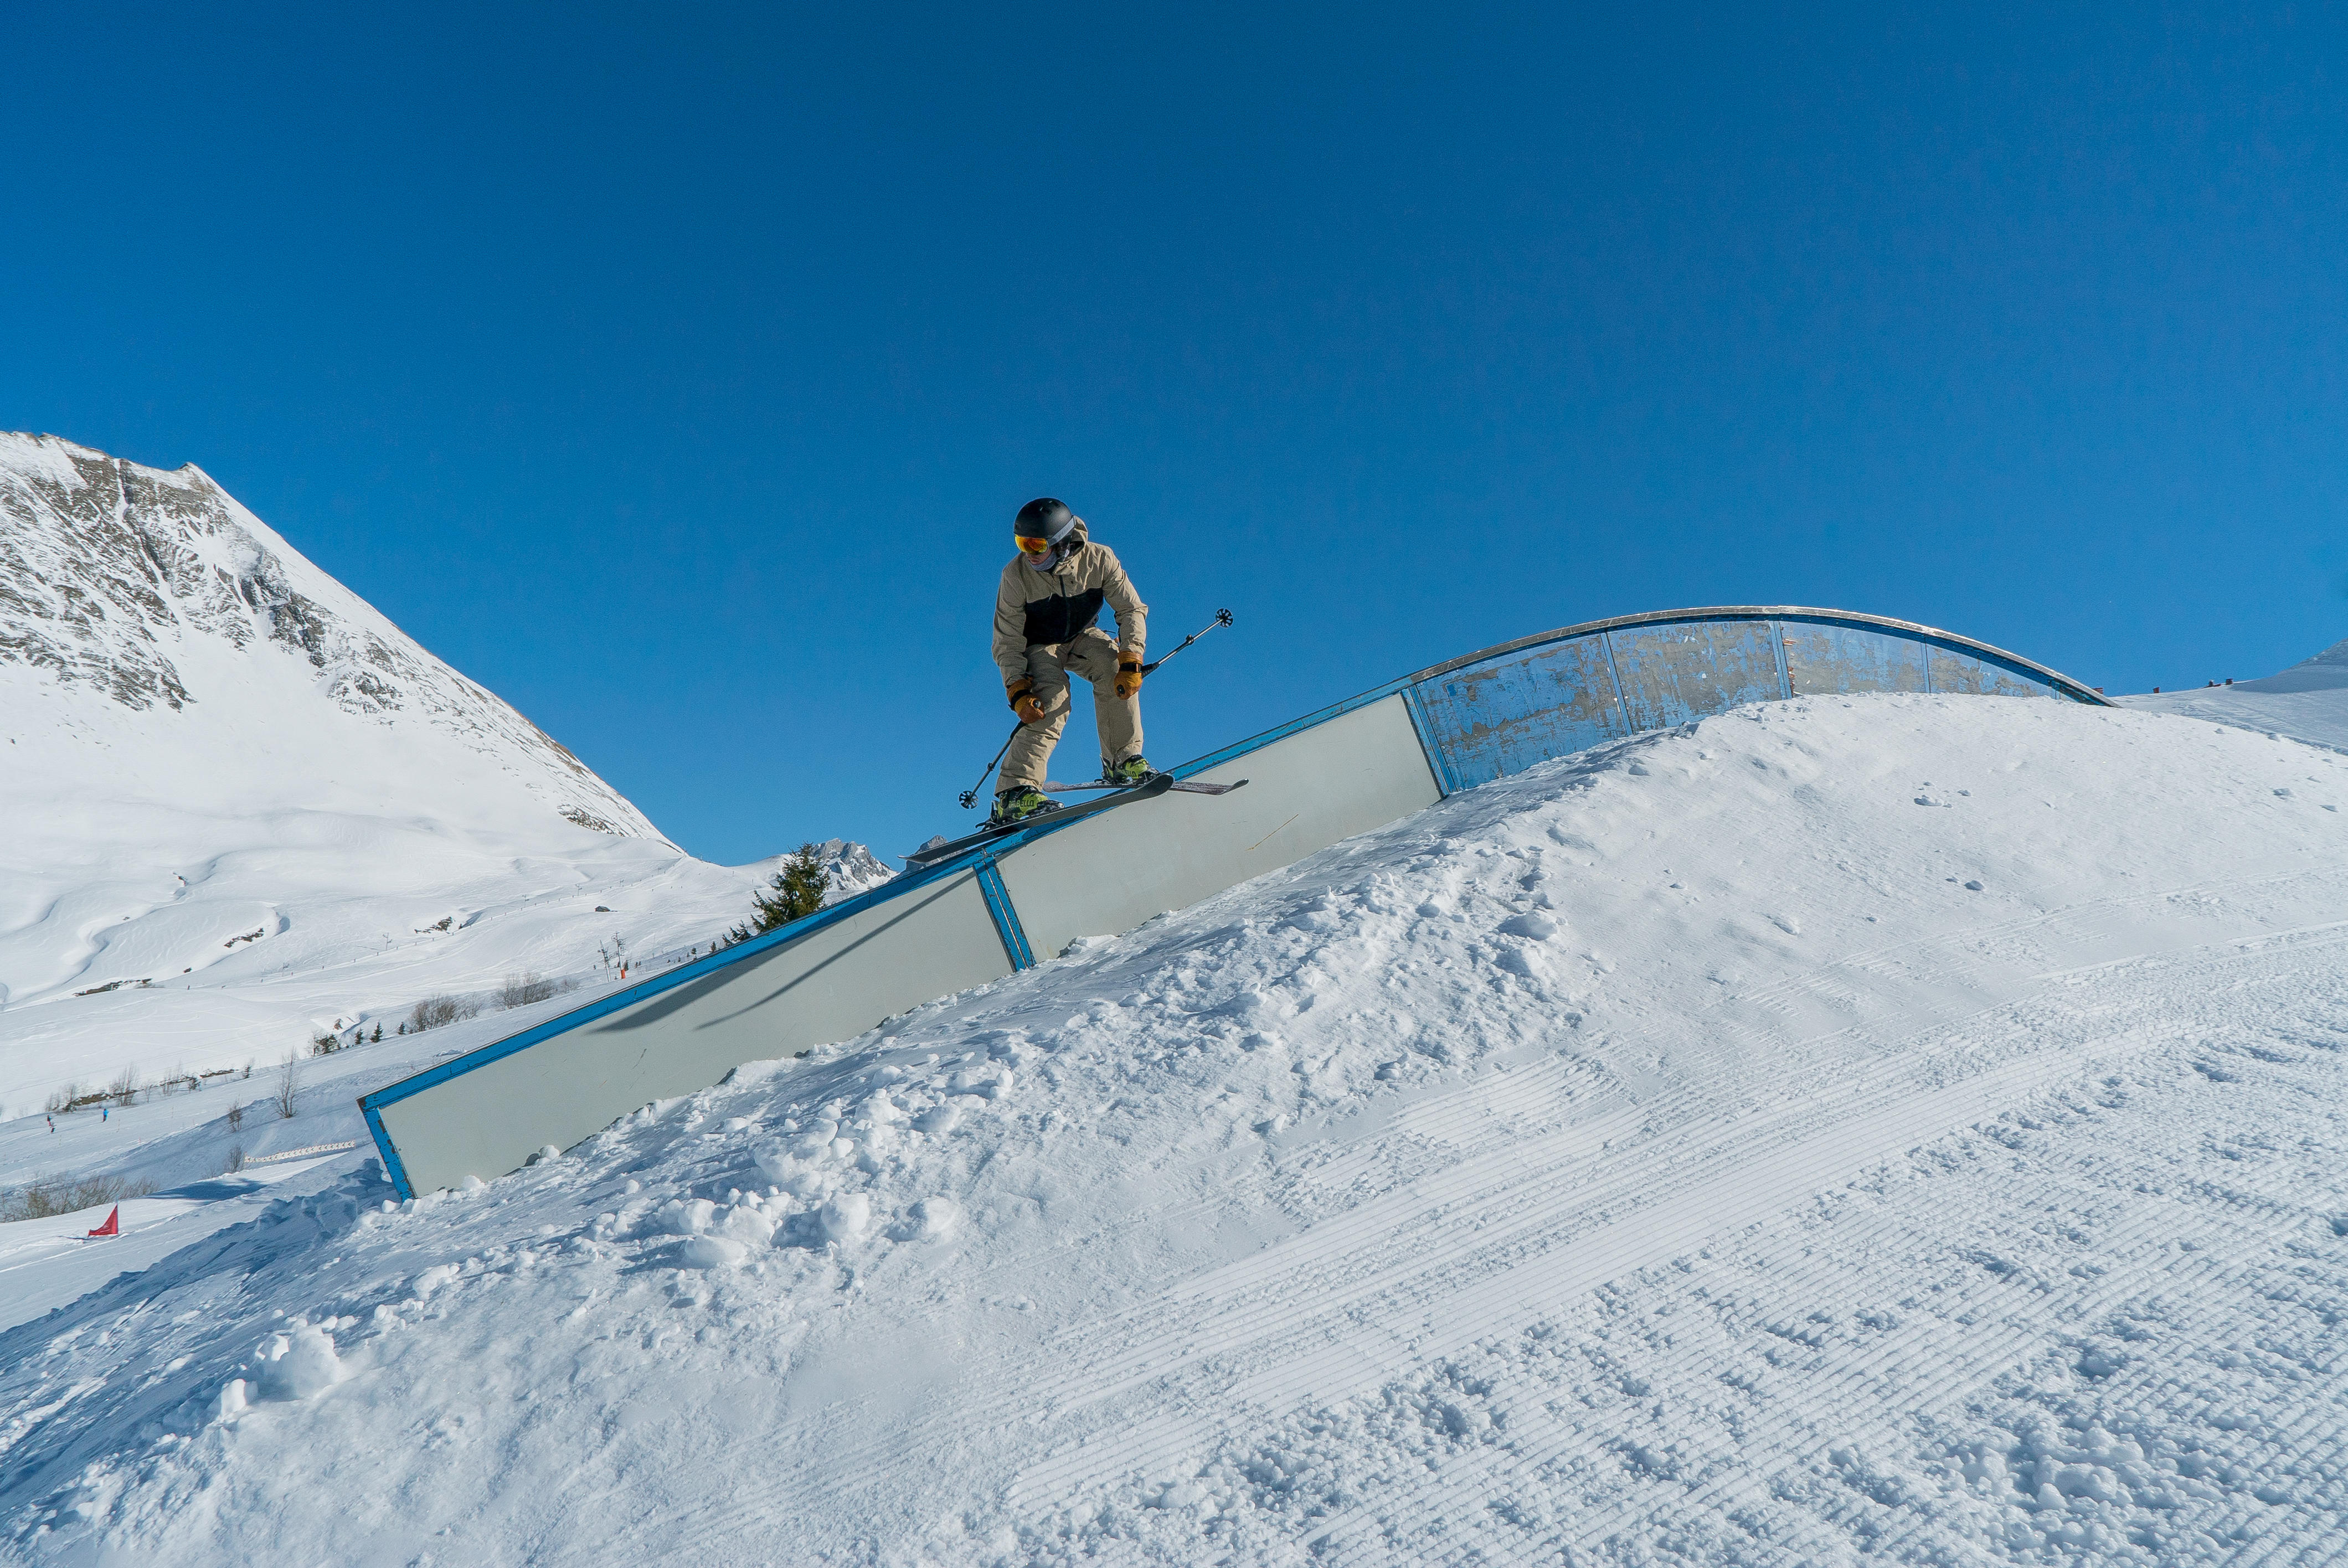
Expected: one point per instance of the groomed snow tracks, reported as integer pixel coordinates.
(1224, 1370)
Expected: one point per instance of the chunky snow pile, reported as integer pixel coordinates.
(1890, 1127)
(243, 810)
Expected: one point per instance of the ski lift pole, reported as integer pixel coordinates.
(1222, 618)
(969, 797)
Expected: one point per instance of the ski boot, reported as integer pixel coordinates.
(1014, 806)
(1126, 774)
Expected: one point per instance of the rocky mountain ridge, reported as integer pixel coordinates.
(244, 809)
(113, 574)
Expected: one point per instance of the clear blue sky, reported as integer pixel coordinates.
(676, 371)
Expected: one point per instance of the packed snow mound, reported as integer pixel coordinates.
(1891, 1126)
(244, 809)
(2308, 702)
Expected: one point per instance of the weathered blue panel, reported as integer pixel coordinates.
(1504, 715)
(1963, 670)
(1686, 669)
(1823, 656)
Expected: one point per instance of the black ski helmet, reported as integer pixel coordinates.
(1044, 518)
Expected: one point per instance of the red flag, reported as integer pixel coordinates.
(113, 1226)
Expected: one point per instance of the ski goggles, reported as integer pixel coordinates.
(1030, 545)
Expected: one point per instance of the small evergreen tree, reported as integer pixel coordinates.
(794, 892)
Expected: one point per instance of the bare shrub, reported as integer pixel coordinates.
(47, 1196)
(62, 1099)
(125, 1087)
(521, 990)
(235, 1160)
(434, 1011)
(289, 1083)
(235, 1117)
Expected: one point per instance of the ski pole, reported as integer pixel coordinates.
(969, 797)
(1222, 618)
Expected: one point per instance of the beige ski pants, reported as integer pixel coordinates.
(1091, 654)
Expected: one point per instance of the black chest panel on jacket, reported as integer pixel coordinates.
(1062, 616)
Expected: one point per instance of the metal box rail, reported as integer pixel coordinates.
(1343, 770)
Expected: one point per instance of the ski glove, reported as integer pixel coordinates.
(1022, 702)
(1129, 677)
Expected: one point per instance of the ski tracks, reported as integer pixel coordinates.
(1598, 1191)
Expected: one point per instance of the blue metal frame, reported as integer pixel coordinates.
(1006, 917)
(1318, 716)
(1438, 761)
(1777, 652)
(1952, 641)
(981, 860)
(387, 1152)
(643, 991)
(1614, 679)
(2054, 680)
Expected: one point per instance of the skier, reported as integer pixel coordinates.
(1045, 607)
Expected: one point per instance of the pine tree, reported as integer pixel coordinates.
(794, 892)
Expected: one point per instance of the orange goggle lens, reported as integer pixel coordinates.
(1034, 547)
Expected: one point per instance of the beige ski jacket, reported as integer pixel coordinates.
(1052, 606)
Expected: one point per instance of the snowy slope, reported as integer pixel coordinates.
(2308, 702)
(242, 807)
(1890, 1127)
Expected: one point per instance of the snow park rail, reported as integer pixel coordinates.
(1005, 905)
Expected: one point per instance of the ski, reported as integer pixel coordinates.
(1182, 786)
(934, 852)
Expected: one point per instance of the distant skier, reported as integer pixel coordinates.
(1045, 607)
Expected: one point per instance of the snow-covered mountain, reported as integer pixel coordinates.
(158, 593)
(2308, 702)
(850, 868)
(243, 808)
